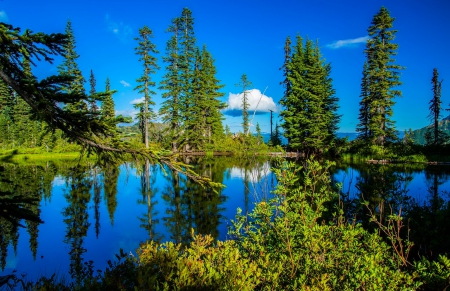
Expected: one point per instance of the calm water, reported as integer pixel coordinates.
(90, 213)
(86, 213)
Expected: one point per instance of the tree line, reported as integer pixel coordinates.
(191, 110)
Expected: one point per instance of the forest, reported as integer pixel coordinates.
(306, 237)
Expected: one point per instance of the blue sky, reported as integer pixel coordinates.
(247, 36)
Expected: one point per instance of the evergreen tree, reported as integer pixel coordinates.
(364, 112)
(107, 107)
(212, 114)
(205, 120)
(382, 76)
(245, 84)
(69, 68)
(434, 135)
(6, 114)
(93, 107)
(286, 72)
(145, 50)
(258, 133)
(310, 105)
(276, 137)
(187, 62)
(171, 84)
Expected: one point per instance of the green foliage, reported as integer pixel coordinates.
(145, 50)
(69, 68)
(245, 84)
(434, 135)
(435, 274)
(309, 244)
(309, 104)
(380, 77)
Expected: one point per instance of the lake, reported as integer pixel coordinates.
(85, 213)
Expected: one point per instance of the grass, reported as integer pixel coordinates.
(29, 155)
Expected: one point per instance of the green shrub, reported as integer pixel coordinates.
(309, 244)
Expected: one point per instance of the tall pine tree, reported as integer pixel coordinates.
(187, 63)
(171, 84)
(434, 135)
(107, 106)
(364, 106)
(93, 107)
(381, 77)
(69, 67)
(245, 84)
(310, 106)
(146, 50)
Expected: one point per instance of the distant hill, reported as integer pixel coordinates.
(419, 134)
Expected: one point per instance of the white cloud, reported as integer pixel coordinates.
(137, 100)
(121, 30)
(127, 112)
(347, 42)
(256, 100)
(124, 83)
(255, 175)
(3, 16)
(59, 181)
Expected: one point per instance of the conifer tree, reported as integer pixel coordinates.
(382, 77)
(171, 84)
(107, 106)
(93, 107)
(276, 137)
(187, 62)
(6, 113)
(434, 135)
(364, 112)
(211, 112)
(258, 133)
(205, 121)
(245, 84)
(285, 68)
(310, 105)
(69, 68)
(146, 50)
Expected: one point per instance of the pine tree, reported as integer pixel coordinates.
(171, 84)
(364, 109)
(92, 93)
(291, 99)
(245, 84)
(69, 68)
(145, 50)
(276, 137)
(382, 77)
(107, 106)
(310, 105)
(211, 113)
(6, 114)
(258, 133)
(434, 135)
(187, 62)
(205, 121)
(285, 68)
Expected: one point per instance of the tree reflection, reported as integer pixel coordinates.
(76, 217)
(192, 206)
(110, 177)
(21, 189)
(148, 176)
(428, 220)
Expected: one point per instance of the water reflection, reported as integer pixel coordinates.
(76, 217)
(21, 189)
(91, 212)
